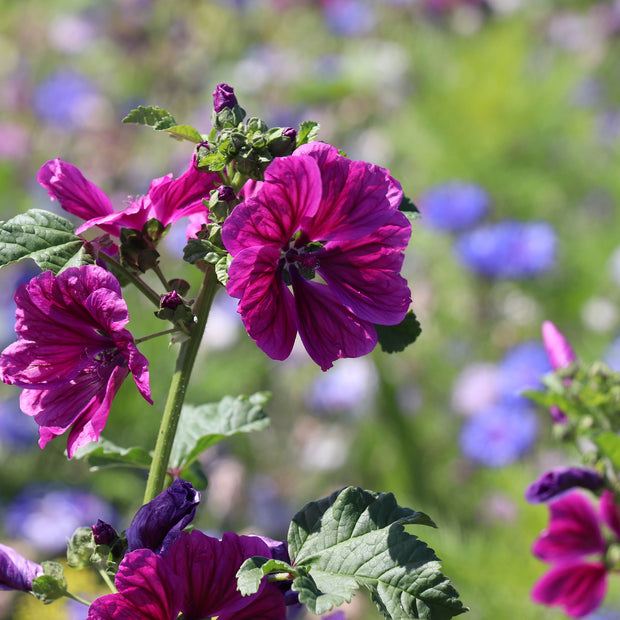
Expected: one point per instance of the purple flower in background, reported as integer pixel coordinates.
(17, 431)
(167, 199)
(46, 517)
(350, 386)
(197, 577)
(508, 250)
(66, 99)
(611, 356)
(159, 523)
(16, 572)
(319, 212)
(475, 388)
(499, 435)
(224, 97)
(454, 206)
(521, 369)
(576, 581)
(72, 352)
(349, 17)
(559, 480)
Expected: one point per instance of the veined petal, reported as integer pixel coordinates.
(578, 587)
(267, 308)
(75, 194)
(147, 590)
(328, 329)
(291, 191)
(573, 531)
(269, 605)
(365, 274)
(357, 197)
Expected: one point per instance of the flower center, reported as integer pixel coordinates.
(300, 256)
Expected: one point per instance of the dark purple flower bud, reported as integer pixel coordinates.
(171, 300)
(16, 572)
(559, 480)
(224, 97)
(103, 533)
(226, 193)
(159, 523)
(277, 548)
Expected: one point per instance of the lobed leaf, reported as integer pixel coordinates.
(357, 538)
(103, 454)
(308, 132)
(252, 571)
(203, 426)
(395, 338)
(43, 236)
(151, 116)
(409, 209)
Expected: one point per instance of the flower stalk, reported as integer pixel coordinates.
(178, 387)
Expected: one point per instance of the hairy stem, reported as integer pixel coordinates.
(178, 387)
(142, 286)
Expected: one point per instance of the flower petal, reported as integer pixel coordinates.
(609, 512)
(328, 329)
(558, 348)
(578, 587)
(269, 605)
(573, 531)
(16, 572)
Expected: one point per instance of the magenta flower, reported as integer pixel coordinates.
(16, 572)
(576, 582)
(560, 480)
(561, 355)
(167, 199)
(318, 213)
(197, 577)
(72, 352)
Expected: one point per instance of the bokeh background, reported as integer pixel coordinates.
(501, 119)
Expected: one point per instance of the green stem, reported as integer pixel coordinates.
(79, 599)
(172, 330)
(107, 579)
(142, 286)
(160, 275)
(178, 387)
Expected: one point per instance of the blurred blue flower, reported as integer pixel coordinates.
(349, 17)
(499, 435)
(611, 356)
(508, 250)
(522, 368)
(453, 206)
(17, 430)
(348, 387)
(65, 99)
(267, 508)
(47, 516)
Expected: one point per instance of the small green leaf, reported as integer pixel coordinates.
(308, 132)
(221, 268)
(252, 571)
(43, 236)
(185, 132)
(409, 209)
(200, 249)
(51, 585)
(195, 475)
(394, 338)
(103, 454)
(609, 444)
(152, 116)
(203, 426)
(356, 538)
(81, 548)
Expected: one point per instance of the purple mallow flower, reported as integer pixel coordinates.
(167, 199)
(72, 352)
(575, 545)
(16, 572)
(196, 577)
(319, 212)
(159, 523)
(508, 250)
(454, 206)
(559, 480)
(224, 97)
(499, 435)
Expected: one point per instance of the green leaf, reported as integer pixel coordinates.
(195, 475)
(185, 132)
(203, 426)
(51, 585)
(103, 454)
(308, 132)
(609, 444)
(201, 249)
(221, 268)
(151, 116)
(252, 571)
(43, 236)
(409, 209)
(357, 538)
(394, 338)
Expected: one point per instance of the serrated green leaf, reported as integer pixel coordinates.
(252, 571)
(339, 590)
(51, 585)
(357, 538)
(308, 132)
(203, 426)
(221, 268)
(43, 236)
(395, 338)
(185, 132)
(151, 116)
(409, 209)
(103, 454)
